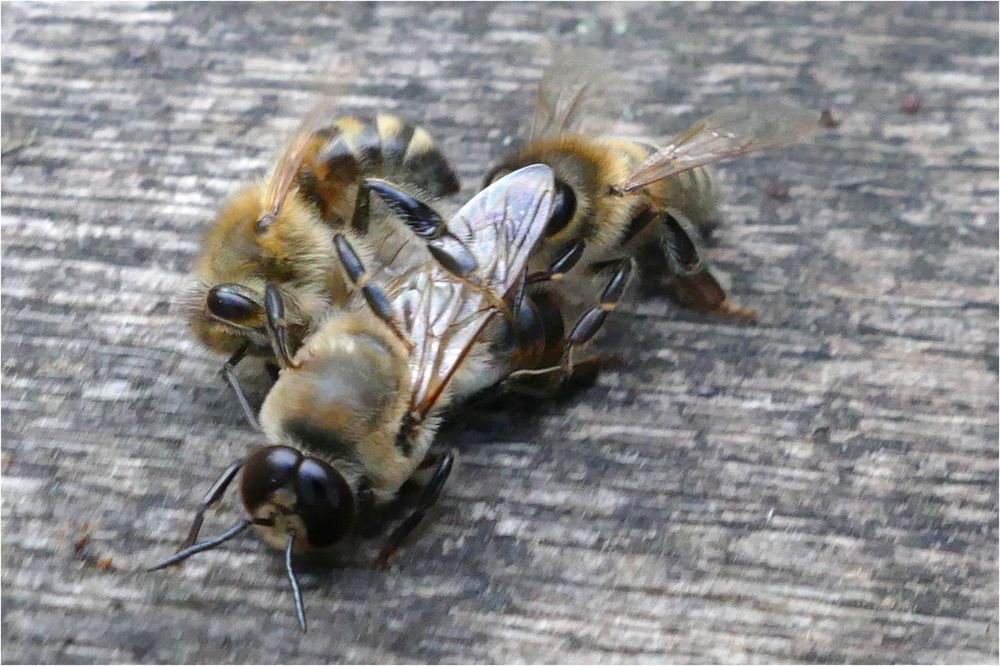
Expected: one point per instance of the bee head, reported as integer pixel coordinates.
(288, 493)
(564, 206)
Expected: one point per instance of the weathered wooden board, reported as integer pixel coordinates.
(819, 487)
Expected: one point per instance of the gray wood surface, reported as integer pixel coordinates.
(819, 487)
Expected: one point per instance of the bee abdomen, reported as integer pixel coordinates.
(411, 156)
(693, 193)
(386, 147)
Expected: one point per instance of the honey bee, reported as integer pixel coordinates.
(363, 395)
(615, 196)
(280, 231)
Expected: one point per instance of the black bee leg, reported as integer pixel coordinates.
(590, 323)
(563, 263)
(692, 283)
(586, 327)
(277, 327)
(427, 500)
(359, 220)
(359, 277)
(273, 370)
(213, 495)
(445, 247)
(229, 374)
(421, 218)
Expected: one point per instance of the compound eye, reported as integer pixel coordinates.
(325, 502)
(266, 472)
(226, 302)
(563, 208)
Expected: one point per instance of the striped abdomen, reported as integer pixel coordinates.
(384, 147)
(692, 192)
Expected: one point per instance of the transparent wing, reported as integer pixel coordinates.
(730, 132)
(575, 76)
(443, 315)
(279, 183)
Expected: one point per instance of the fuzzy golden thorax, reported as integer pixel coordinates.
(344, 400)
(590, 166)
(295, 252)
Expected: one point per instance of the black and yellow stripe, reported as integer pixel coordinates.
(386, 147)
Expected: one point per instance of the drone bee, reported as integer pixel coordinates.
(364, 393)
(281, 231)
(616, 196)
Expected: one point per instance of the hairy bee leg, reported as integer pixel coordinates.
(213, 495)
(427, 500)
(562, 264)
(277, 327)
(300, 611)
(359, 277)
(448, 251)
(229, 374)
(693, 284)
(421, 218)
(445, 247)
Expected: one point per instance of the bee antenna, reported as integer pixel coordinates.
(300, 611)
(199, 547)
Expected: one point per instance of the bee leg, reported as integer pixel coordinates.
(273, 371)
(418, 216)
(359, 220)
(359, 277)
(213, 495)
(692, 284)
(277, 327)
(586, 327)
(229, 374)
(427, 500)
(445, 247)
(591, 321)
(563, 263)
(559, 383)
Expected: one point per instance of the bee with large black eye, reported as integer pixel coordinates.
(617, 196)
(357, 403)
(281, 231)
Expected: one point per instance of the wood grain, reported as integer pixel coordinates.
(819, 487)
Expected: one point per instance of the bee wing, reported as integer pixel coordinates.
(443, 315)
(279, 183)
(569, 81)
(730, 132)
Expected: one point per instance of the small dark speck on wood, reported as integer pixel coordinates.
(910, 105)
